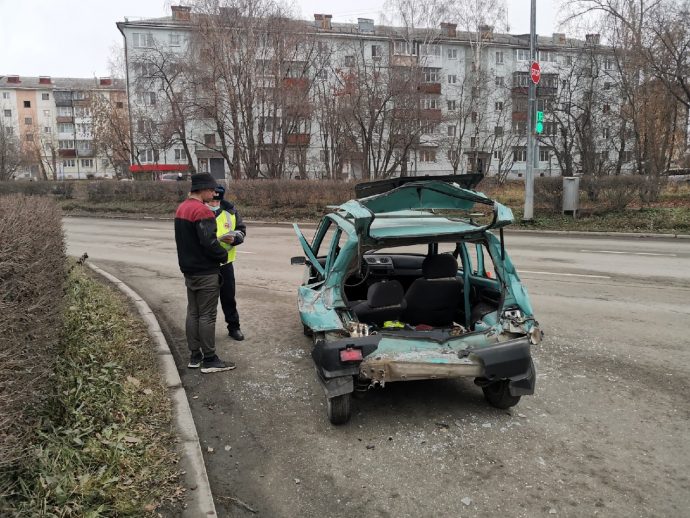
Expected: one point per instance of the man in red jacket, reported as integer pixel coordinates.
(200, 255)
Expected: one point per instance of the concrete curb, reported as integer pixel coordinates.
(314, 224)
(200, 499)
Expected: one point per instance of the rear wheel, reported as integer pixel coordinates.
(498, 395)
(339, 409)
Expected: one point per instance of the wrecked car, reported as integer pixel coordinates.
(410, 282)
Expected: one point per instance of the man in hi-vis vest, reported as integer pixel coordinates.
(231, 232)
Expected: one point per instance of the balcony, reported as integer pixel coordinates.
(432, 114)
(519, 116)
(296, 83)
(302, 111)
(65, 119)
(430, 88)
(403, 60)
(546, 91)
(85, 152)
(298, 139)
(62, 101)
(67, 153)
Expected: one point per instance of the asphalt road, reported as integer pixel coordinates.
(607, 432)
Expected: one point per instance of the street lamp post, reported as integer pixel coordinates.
(528, 213)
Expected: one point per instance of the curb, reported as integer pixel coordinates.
(314, 224)
(200, 500)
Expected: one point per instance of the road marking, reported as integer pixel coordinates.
(627, 253)
(567, 274)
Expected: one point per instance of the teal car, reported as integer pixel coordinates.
(411, 281)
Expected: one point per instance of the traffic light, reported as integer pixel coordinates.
(539, 127)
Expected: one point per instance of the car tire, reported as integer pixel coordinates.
(498, 395)
(339, 409)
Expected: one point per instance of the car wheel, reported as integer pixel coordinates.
(498, 395)
(339, 409)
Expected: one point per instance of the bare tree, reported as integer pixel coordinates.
(10, 158)
(111, 135)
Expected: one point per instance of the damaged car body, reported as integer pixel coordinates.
(408, 282)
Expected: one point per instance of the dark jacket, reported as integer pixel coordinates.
(239, 224)
(198, 250)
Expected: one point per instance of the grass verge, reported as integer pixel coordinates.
(105, 447)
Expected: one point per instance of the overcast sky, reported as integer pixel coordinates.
(74, 38)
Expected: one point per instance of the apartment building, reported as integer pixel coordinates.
(465, 111)
(53, 122)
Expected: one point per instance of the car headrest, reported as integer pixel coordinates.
(385, 293)
(439, 266)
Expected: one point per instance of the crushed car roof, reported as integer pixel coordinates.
(408, 209)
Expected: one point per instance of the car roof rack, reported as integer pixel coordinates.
(366, 189)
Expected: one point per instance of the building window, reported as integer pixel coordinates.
(29, 137)
(473, 116)
(27, 104)
(9, 130)
(45, 97)
(87, 162)
(628, 156)
(148, 155)
(430, 75)
(142, 40)
(428, 128)
(451, 130)
(404, 48)
(431, 104)
(498, 105)
(174, 40)
(376, 51)
(431, 50)
(500, 81)
(498, 154)
(452, 54)
(203, 165)
(65, 144)
(476, 91)
(427, 155)
(8, 113)
(544, 154)
(499, 57)
(451, 106)
(522, 54)
(210, 139)
(46, 129)
(453, 155)
(520, 127)
(65, 127)
(608, 64)
(349, 61)
(28, 121)
(605, 155)
(519, 154)
(547, 56)
(119, 105)
(180, 154)
(5, 95)
(498, 131)
(68, 163)
(606, 133)
(452, 79)
(607, 108)
(550, 128)
(78, 96)
(473, 142)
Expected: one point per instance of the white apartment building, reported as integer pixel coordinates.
(51, 119)
(471, 107)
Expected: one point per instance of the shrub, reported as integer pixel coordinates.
(548, 192)
(613, 192)
(32, 276)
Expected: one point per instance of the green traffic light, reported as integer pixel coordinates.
(539, 127)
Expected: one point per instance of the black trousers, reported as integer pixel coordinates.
(202, 306)
(227, 297)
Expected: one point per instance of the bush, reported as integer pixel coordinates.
(32, 276)
(613, 192)
(548, 192)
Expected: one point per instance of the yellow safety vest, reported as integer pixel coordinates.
(224, 224)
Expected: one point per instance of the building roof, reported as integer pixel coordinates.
(61, 83)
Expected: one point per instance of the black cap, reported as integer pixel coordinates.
(201, 181)
(220, 193)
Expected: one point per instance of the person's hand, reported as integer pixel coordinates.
(229, 239)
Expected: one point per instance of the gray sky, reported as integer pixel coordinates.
(74, 38)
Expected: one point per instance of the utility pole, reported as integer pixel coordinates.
(528, 213)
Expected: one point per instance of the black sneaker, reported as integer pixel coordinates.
(236, 334)
(215, 364)
(195, 360)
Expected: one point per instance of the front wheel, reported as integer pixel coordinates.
(498, 395)
(339, 409)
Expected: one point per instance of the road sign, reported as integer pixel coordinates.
(535, 72)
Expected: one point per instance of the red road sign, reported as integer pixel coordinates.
(535, 72)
